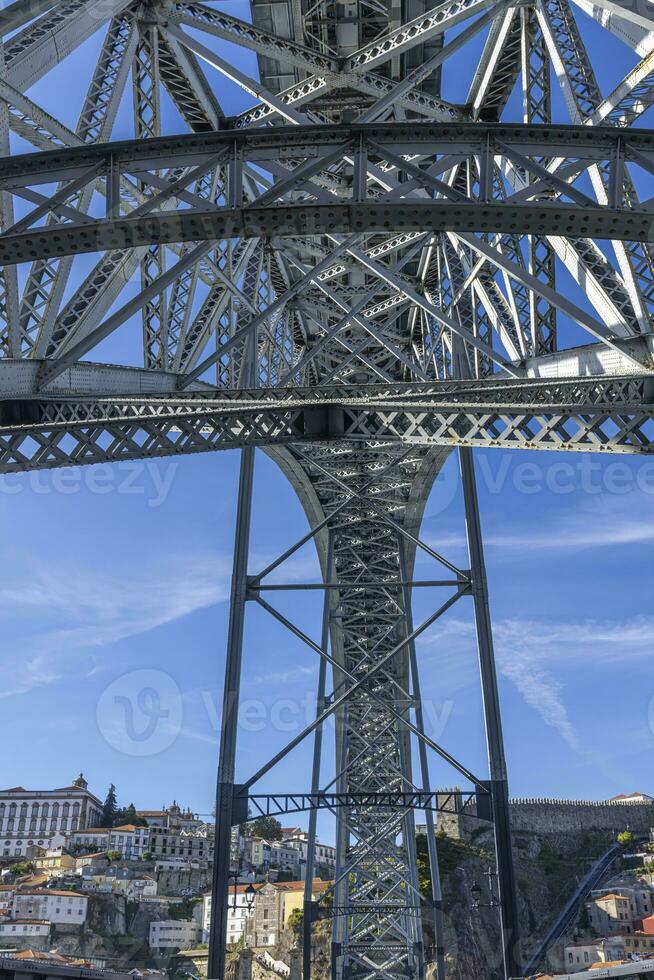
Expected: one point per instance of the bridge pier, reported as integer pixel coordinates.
(493, 722)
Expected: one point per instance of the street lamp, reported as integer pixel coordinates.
(475, 891)
(249, 897)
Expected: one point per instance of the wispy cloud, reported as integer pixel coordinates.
(54, 622)
(583, 533)
(294, 673)
(530, 652)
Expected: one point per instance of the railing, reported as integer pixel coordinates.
(572, 906)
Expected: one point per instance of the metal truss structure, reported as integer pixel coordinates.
(373, 248)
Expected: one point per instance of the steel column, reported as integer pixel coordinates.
(436, 892)
(229, 723)
(315, 774)
(495, 743)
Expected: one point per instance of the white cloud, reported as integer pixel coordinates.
(583, 533)
(53, 622)
(293, 673)
(529, 652)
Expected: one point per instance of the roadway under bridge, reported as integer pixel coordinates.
(428, 231)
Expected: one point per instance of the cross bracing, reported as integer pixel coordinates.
(615, 415)
(369, 250)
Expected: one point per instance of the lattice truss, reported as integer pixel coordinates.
(398, 233)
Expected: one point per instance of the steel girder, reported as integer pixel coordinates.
(614, 415)
(310, 205)
(331, 274)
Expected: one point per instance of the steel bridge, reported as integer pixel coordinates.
(359, 275)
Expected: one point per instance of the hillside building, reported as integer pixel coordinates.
(31, 818)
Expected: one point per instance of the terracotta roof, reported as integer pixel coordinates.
(54, 891)
(628, 796)
(38, 922)
(94, 830)
(242, 888)
(14, 789)
(612, 895)
(295, 886)
(129, 826)
(38, 954)
(53, 956)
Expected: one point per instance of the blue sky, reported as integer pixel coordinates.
(103, 585)
(116, 585)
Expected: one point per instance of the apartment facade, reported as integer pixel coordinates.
(187, 845)
(273, 906)
(581, 955)
(132, 842)
(612, 913)
(50, 904)
(173, 934)
(92, 839)
(237, 916)
(18, 930)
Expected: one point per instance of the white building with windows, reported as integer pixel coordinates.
(6, 898)
(31, 818)
(237, 916)
(284, 856)
(54, 905)
(181, 846)
(132, 842)
(582, 955)
(90, 839)
(15, 929)
(173, 934)
(324, 855)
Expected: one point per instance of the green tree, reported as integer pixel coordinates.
(422, 855)
(295, 921)
(110, 808)
(266, 827)
(625, 838)
(22, 868)
(114, 856)
(129, 815)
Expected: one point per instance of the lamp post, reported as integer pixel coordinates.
(476, 893)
